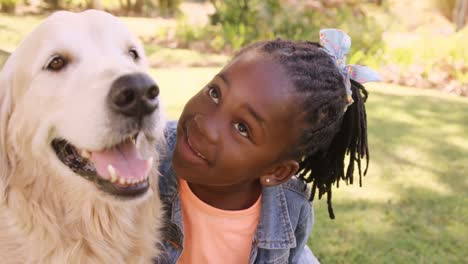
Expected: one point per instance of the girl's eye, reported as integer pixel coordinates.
(214, 94)
(56, 63)
(242, 129)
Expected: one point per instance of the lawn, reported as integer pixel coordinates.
(13, 29)
(412, 207)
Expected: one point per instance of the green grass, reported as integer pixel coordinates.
(13, 29)
(3, 57)
(413, 205)
(178, 85)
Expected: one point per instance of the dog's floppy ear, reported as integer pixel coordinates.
(6, 105)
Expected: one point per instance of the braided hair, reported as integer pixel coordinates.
(331, 132)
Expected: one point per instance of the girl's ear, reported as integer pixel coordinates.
(280, 173)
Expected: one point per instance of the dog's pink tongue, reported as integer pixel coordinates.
(124, 158)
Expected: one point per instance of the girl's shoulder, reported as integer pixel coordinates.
(297, 187)
(170, 133)
(297, 194)
(166, 150)
(167, 179)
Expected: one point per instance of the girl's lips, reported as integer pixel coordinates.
(187, 149)
(194, 149)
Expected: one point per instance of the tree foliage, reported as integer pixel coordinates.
(125, 7)
(237, 23)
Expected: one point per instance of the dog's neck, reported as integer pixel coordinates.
(76, 217)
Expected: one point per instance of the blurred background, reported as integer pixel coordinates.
(413, 205)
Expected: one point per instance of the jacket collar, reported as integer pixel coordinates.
(170, 195)
(274, 230)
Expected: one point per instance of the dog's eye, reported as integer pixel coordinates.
(56, 63)
(134, 54)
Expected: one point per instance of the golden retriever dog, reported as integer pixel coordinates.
(80, 122)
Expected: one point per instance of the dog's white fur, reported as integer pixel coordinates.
(48, 214)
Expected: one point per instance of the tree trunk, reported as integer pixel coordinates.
(8, 8)
(96, 4)
(128, 7)
(55, 4)
(459, 13)
(138, 7)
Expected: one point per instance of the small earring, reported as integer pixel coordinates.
(267, 180)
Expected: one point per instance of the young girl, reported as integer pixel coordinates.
(278, 109)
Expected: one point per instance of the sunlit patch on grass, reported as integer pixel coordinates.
(178, 85)
(459, 139)
(417, 179)
(161, 57)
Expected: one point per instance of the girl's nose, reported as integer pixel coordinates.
(207, 127)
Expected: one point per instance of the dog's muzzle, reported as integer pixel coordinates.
(119, 168)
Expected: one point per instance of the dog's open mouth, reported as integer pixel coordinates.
(118, 170)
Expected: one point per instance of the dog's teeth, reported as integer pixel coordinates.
(112, 173)
(85, 154)
(132, 139)
(137, 144)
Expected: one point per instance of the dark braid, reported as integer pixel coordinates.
(331, 133)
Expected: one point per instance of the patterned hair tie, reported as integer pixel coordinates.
(337, 44)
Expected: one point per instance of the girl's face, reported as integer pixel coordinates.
(238, 127)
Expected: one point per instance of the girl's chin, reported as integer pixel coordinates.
(188, 170)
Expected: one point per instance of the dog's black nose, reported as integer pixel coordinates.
(133, 95)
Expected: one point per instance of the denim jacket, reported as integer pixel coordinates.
(285, 223)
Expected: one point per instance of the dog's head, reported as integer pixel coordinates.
(77, 104)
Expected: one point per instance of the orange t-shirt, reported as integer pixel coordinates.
(212, 235)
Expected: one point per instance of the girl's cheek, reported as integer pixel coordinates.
(193, 103)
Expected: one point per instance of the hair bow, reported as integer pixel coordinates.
(337, 44)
